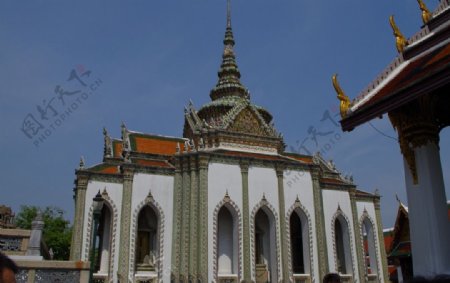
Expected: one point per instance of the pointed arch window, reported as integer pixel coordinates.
(147, 242)
(299, 236)
(368, 233)
(104, 242)
(227, 244)
(265, 246)
(342, 242)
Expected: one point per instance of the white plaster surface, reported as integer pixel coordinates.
(221, 178)
(331, 200)
(114, 191)
(263, 181)
(427, 203)
(161, 187)
(299, 184)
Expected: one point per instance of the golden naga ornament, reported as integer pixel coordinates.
(400, 40)
(345, 101)
(426, 15)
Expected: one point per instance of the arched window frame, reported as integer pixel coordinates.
(340, 216)
(237, 220)
(109, 203)
(298, 207)
(150, 201)
(264, 204)
(366, 218)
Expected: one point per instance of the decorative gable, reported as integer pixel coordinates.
(247, 122)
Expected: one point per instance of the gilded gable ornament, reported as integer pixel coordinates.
(426, 15)
(400, 39)
(345, 102)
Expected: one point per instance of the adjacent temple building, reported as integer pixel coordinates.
(414, 93)
(224, 203)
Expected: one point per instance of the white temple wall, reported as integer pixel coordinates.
(161, 188)
(221, 178)
(332, 199)
(264, 182)
(114, 191)
(302, 187)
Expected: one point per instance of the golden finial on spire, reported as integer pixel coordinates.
(400, 40)
(345, 101)
(426, 15)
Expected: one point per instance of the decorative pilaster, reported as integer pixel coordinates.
(284, 241)
(177, 208)
(359, 246)
(80, 202)
(320, 227)
(185, 217)
(382, 253)
(125, 223)
(193, 244)
(246, 217)
(202, 238)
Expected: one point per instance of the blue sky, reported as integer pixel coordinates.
(153, 56)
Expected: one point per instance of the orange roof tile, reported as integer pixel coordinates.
(109, 170)
(105, 168)
(154, 163)
(306, 159)
(155, 144)
(117, 146)
(388, 238)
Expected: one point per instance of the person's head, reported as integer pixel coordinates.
(332, 278)
(8, 269)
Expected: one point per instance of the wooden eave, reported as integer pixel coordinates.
(399, 92)
(418, 78)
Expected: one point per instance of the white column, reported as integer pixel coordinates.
(427, 203)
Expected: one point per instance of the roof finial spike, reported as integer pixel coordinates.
(345, 102)
(228, 13)
(398, 199)
(400, 40)
(426, 15)
(81, 163)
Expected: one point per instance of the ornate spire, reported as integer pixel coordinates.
(228, 14)
(229, 83)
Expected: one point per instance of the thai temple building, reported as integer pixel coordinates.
(223, 203)
(414, 91)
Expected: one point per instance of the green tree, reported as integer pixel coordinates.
(57, 231)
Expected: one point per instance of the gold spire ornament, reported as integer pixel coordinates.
(400, 40)
(426, 15)
(345, 101)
